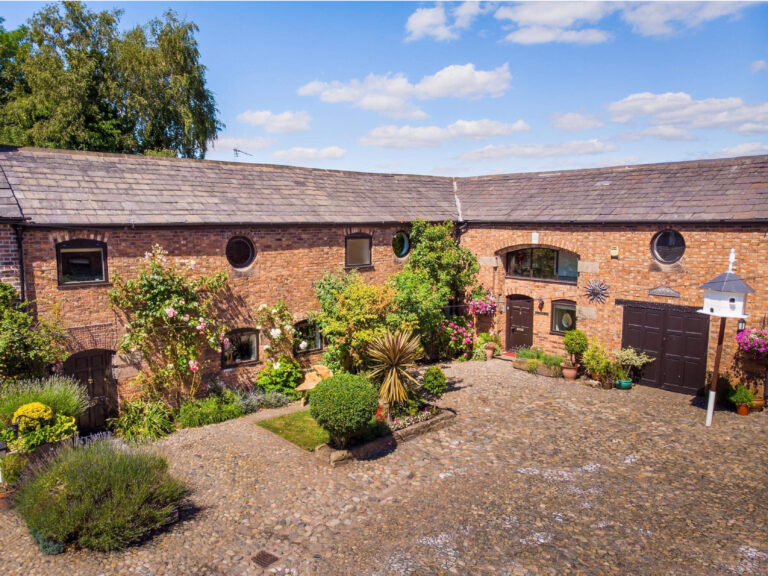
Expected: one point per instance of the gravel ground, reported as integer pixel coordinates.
(535, 476)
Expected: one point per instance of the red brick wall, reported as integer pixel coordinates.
(9, 257)
(288, 262)
(630, 276)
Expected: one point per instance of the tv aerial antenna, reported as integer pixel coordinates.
(239, 152)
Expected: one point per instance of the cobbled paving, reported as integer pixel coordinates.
(534, 476)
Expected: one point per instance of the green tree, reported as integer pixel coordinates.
(74, 81)
(445, 261)
(28, 345)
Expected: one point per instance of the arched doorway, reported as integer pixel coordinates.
(519, 322)
(94, 369)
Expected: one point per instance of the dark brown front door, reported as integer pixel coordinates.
(519, 322)
(677, 338)
(93, 368)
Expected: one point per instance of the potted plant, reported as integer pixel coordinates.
(575, 343)
(490, 350)
(628, 363)
(742, 397)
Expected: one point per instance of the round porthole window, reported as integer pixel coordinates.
(240, 252)
(401, 244)
(668, 246)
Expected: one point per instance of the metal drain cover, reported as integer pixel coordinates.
(264, 559)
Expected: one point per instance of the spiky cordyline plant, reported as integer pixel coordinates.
(391, 355)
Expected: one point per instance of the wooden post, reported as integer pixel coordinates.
(715, 372)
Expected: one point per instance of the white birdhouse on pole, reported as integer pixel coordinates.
(725, 297)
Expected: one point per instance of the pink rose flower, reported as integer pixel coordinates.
(170, 312)
(194, 366)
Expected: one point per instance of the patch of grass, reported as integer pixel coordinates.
(297, 427)
(301, 429)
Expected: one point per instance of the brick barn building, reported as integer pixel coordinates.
(650, 235)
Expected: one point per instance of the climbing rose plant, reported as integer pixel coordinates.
(753, 340)
(276, 325)
(170, 322)
(482, 303)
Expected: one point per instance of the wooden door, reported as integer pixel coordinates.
(94, 369)
(677, 338)
(519, 322)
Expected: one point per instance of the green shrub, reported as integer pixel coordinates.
(143, 421)
(391, 356)
(598, 363)
(282, 376)
(59, 428)
(65, 396)
(526, 353)
(741, 395)
(12, 466)
(532, 366)
(253, 400)
(102, 496)
(575, 343)
(211, 410)
(435, 381)
(344, 405)
(553, 361)
(478, 354)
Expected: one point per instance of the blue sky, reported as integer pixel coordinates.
(478, 88)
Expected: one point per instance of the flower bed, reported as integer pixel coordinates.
(403, 422)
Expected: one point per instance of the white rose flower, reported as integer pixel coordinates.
(303, 345)
(258, 327)
(276, 365)
(275, 333)
(274, 310)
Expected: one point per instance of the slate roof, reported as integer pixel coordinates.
(60, 187)
(728, 282)
(730, 189)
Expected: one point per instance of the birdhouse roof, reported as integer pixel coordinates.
(728, 282)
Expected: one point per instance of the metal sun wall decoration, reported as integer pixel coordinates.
(596, 292)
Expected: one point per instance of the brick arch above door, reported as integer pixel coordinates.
(94, 336)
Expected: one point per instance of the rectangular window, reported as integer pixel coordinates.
(81, 264)
(563, 316)
(307, 338)
(358, 251)
(543, 264)
(240, 347)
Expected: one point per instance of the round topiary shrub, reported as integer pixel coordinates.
(575, 343)
(435, 381)
(103, 496)
(344, 405)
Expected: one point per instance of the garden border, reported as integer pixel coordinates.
(336, 457)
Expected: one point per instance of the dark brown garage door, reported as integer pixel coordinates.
(676, 336)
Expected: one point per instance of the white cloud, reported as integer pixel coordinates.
(679, 108)
(758, 66)
(746, 149)
(276, 123)
(428, 136)
(660, 132)
(301, 154)
(668, 18)
(573, 148)
(392, 94)
(227, 143)
(577, 22)
(573, 122)
(434, 22)
(752, 128)
(465, 82)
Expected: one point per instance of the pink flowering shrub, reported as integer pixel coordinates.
(482, 304)
(457, 337)
(170, 321)
(753, 340)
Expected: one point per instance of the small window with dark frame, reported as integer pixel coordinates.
(563, 316)
(358, 250)
(240, 347)
(240, 252)
(82, 262)
(307, 337)
(543, 264)
(668, 246)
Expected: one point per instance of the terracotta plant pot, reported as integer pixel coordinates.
(742, 409)
(489, 353)
(758, 405)
(5, 499)
(570, 372)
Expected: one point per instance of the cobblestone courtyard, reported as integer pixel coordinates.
(535, 476)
